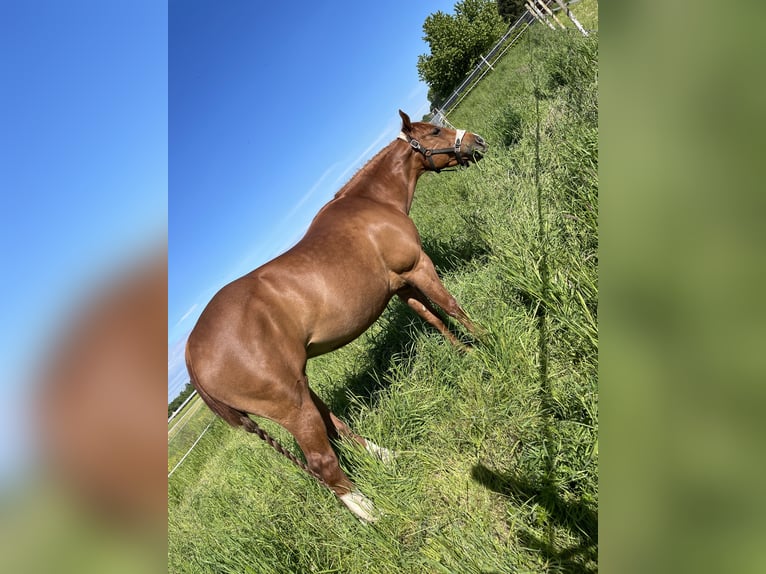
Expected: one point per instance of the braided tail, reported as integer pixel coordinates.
(237, 418)
(252, 427)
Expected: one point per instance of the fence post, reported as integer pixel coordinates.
(544, 6)
(571, 16)
(539, 15)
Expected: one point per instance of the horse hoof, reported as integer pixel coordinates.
(383, 454)
(361, 506)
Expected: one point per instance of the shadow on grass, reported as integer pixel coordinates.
(577, 517)
(454, 255)
(391, 347)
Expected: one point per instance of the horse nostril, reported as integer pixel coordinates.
(479, 140)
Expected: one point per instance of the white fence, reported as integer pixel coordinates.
(183, 404)
(537, 11)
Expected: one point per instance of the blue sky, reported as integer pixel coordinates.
(83, 167)
(272, 107)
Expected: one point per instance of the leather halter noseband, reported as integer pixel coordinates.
(429, 153)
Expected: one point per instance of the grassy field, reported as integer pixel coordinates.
(189, 410)
(498, 448)
(186, 428)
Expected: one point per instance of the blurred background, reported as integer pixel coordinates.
(83, 183)
(682, 321)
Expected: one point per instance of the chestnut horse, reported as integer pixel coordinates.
(247, 353)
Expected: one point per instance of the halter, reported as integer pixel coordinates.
(429, 153)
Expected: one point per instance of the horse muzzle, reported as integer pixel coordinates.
(473, 149)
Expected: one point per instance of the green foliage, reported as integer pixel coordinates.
(498, 448)
(510, 10)
(456, 43)
(176, 402)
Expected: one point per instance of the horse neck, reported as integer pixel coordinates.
(389, 177)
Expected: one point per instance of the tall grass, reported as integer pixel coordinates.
(498, 448)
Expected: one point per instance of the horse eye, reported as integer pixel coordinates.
(436, 132)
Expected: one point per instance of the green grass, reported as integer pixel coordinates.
(498, 448)
(186, 428)
(188, 411)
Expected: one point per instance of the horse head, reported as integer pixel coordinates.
(442, 147)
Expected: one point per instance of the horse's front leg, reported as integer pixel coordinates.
(423, 281)
(419, 303)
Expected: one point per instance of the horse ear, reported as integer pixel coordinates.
(406, 124)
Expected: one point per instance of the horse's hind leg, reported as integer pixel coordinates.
(308, 427)
(337, 428)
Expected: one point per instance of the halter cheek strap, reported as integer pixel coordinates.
(429, 153)
(458, 140)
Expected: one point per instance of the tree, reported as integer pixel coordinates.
(176, 402)
(510, 10)
(457, 42)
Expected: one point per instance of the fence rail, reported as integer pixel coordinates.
(486, 62)
(183, 404)
(485, 65)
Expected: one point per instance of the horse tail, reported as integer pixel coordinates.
(237, 418)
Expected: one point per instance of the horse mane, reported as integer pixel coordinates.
(363, 170)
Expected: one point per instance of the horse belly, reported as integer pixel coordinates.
(345, 319)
